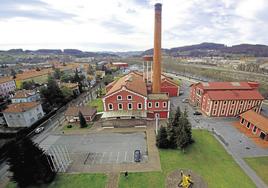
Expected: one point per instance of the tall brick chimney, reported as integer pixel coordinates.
(157, 49)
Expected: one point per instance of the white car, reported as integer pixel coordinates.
(39, 130)
(185, 100)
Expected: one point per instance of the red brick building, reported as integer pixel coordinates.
(225, 99)
(169, 86)
(255, 122)
(128, 97)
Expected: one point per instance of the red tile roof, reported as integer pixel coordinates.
(235, 95)
(85, 110)
(6, 79)
(256, 119)
(20, 107)
(24, 94)
(223, 85)
(132, 81)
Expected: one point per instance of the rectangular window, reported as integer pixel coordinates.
(139, 106)
(233, 102)
(242, 121)
(225, 102)
(216, 102)
(119, 97)
(254, 129)
(129, 106)
(164, 104)
(248, 125)
(157, 104)
(120, 106)
(149, 104)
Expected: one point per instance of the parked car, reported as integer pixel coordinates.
(39, 130)
(185, 100)
(196, 113)
(137, 156)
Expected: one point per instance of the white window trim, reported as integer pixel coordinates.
(128, 106)
(129, 96)
(118, 106)
(109, 106)
(119, 96)
(150, 105)
(155, 104)
(138, 106)
(164, 104)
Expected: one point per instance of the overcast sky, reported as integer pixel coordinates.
(123, 25)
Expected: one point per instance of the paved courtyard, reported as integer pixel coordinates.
(101, 148)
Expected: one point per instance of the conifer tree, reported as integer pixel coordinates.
(29, 165)
(176, 120)
(184, 131)
(162, 138)
(82, 120)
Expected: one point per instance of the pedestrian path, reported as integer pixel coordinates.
(113, 179)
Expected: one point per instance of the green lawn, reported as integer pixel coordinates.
(76, 127)
(97, 103)
(206, 157)
(260, 165)
(75, 180)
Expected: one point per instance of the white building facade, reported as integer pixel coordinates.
(7, 85)
(23, 114)
(25, 96)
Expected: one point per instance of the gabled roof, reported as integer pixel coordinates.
(133, 81)
(224, 85)
(85, 110)
(256, 119)
(20, 107)
(23, 94)
(234, 95)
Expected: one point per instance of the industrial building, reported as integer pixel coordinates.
(142, 94)
(226, 99)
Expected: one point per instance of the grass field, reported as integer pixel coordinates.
(260, 165)
(97, 103)
(75, 180)
(206, 157)
(76, 127)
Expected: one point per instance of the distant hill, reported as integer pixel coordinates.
(71, 52)
(208, 49)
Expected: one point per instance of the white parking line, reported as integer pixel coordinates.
(110, 155)
(93, 158)
(117, 157)
(102, 157)
(125, 156)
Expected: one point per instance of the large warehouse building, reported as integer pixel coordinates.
(227, 99)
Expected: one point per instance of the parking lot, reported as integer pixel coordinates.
(101, 148)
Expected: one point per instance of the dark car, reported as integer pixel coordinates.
(137, 156)
(196, 113)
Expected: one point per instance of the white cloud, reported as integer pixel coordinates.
(128, 24)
